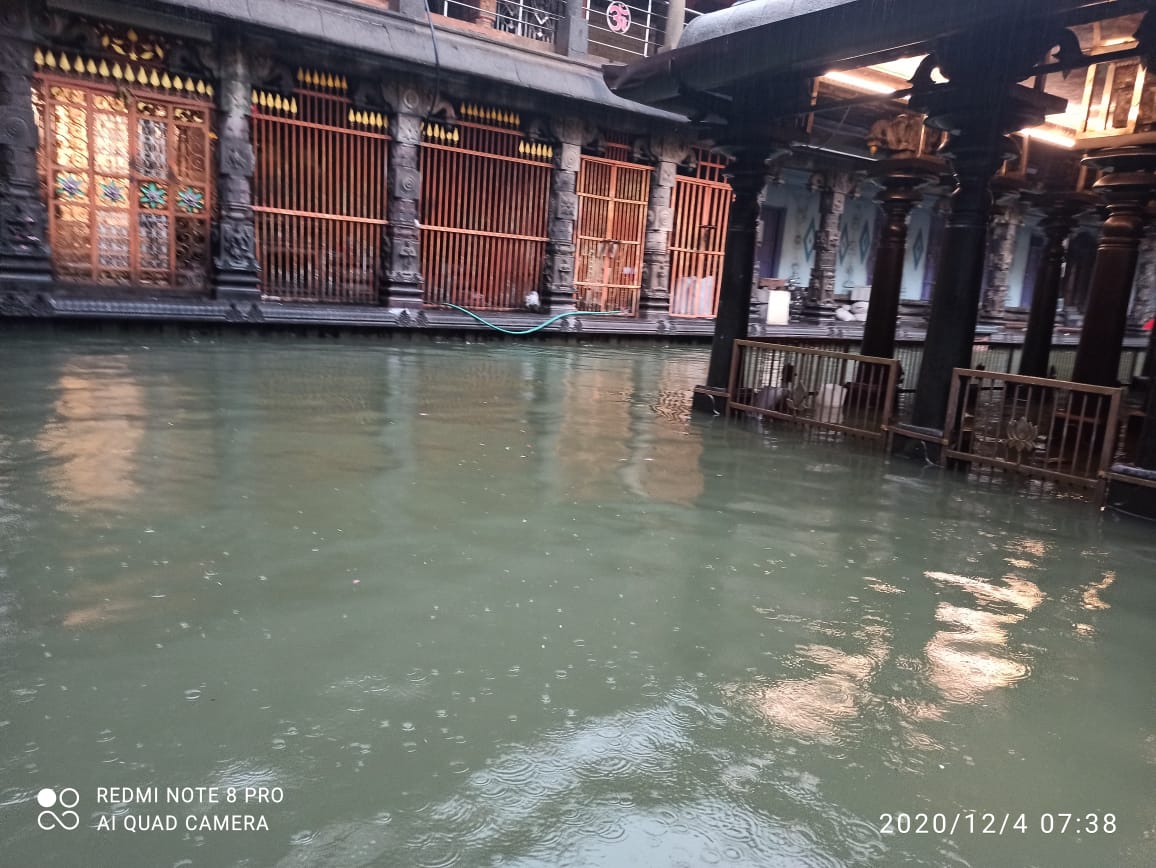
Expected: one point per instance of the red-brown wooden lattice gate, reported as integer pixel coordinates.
(484, 209)
(319, 192)
(612, 201)
(701, 213)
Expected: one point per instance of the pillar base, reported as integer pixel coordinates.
(652, 307)
(239, 288)
(404, 294)
(817, 312)
(708, 401)
(1132, 491)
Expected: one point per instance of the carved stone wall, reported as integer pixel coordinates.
(24, 256)
(402, 253)
(237, 272)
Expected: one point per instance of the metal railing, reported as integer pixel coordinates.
(1051, 430)
(841, 392)
(624, 30)
(531, 19)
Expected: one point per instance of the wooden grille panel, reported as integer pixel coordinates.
(127, 174)
(319, 193)
(612, 202)
(701, 214)
(484, 205)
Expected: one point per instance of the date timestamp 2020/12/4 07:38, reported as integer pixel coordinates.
(996, 823)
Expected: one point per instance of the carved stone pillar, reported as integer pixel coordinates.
(25, 264)
(402, 243)
(975, 155)
(748, 177)
(236, 270)
(1001, 251)
(902, 181)
(833, 189)
(1128, 185)
(982, 104)
(1059, 218)
(655, 298)
(1144, 287)
(558, 276)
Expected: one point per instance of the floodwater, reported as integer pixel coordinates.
(509, 605)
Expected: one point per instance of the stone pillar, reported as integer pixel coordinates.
(402, 243)
(1001, 251)
(902, 181)
(1144, 287)
(1127, 186)
(573, 34)
(748, 177)
(236, 270)
(833, 189)
(558, 276)
(655, 298)
(976, 152)
(675, 22)
(1061, 211)
(25, 264)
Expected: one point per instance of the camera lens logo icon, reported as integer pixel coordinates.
(66, 819)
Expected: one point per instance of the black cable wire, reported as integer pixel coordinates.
(433, 36)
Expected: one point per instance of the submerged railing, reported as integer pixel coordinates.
(1045, 429)
(817, 388)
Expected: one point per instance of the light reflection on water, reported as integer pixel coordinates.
(478, 605)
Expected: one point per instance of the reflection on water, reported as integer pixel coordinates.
(95, 455)
(480, 605)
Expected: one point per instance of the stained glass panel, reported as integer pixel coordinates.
(112, 192)
(190, 200)
(190, 153)
(129, 182)
(152, 148)
(112, 241)
(153, 196)
(154, 241)
(71, 129)
(111, 144)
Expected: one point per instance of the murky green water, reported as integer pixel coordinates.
(482, 605)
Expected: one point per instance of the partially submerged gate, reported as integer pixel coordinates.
(612, 201)
(319, 192)
(485, 198)
(701, 211)
(126, 164)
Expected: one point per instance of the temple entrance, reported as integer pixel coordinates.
(127, 172)
(612, 200)
(319, 192)
(701, 205)
(485, 200)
